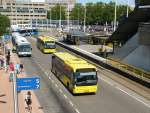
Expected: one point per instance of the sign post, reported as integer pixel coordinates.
(31, 83)
(15, 95)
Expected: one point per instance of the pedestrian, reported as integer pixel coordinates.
(12, 69)
(8, 58)
(1, 62)
(17, 68)
(21, 67)
(28, 100)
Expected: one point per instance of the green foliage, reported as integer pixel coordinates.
(97, 13)
(4, 24)
(55, 13)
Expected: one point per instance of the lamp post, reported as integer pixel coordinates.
(115, 15)
(50, 20)
(60, 16)
(68, 19)
(84, 17)
(127, 8)
(78, 18)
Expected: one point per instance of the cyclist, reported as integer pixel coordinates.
(28, 100)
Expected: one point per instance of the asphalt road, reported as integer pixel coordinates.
(55, 98)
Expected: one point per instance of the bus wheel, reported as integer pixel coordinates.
(52, 70)
(68, 85)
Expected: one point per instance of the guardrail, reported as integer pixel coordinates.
(124, 70)
(139, 73)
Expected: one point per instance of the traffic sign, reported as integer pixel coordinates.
(7, 37)
(31, 83)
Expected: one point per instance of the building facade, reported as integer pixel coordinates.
(23, 11)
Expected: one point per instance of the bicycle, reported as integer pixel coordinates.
(29, 108)
(28, 101)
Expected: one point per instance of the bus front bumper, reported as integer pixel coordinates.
(24, 53)
(49, 50)
(85, 89)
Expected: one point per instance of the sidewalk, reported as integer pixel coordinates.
(6, 88)
(21, 96)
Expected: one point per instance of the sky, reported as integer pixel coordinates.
(131, 2)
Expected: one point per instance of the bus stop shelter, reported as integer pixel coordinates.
(75, 37)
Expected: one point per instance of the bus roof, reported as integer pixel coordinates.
(22, 40)
(73, 61)
(14, 34)
(46, 38)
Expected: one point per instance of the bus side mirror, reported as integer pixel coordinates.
(31, 49)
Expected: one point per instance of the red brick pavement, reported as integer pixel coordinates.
(6, 89)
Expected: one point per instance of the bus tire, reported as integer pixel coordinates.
(52, 70)
(68, 85)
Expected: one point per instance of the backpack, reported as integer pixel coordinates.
(28, 100)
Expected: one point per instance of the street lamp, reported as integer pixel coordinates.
(60, 16)
(115, 15)
(127, 8)
(84, 17)
(68, 18)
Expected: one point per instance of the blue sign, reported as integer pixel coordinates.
(31, 83)
(7, 37)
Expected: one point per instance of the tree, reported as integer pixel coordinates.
(4, 24)
(77, 13)
(55, 13)
(97, 13)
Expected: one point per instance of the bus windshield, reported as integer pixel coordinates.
(24, 48)
(86, 77)
(50, 45)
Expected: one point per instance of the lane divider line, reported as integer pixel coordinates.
(56, 85)
(60, 91)
(49, 78)
(53, 81)
(133, 97)
(106, 81)
(65, 96)
(71, 103)
(124, 91)
(77, 110)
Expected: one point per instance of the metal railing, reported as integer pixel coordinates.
(141, 74)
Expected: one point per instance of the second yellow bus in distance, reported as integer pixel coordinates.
(46, 44)
(75, 73)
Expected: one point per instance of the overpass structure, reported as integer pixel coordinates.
(134, 34)
(130, 25)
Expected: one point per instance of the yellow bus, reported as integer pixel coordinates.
(46, 44)
(75, 73)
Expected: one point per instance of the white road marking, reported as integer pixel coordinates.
(50, 78)
(46, 73)
(53, 81)
(77, 110)
(107, 82)
(60, 91)
(124, 91)
(133, 97)
(65, 96)
(56, 85)
(71, 103)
